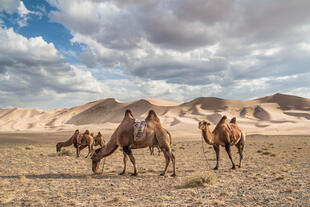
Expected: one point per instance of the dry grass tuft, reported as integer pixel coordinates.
(22, 178)
(198, 180)
(65, 152)
(217, 202)
(29, 147)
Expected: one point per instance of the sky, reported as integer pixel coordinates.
(65, 53)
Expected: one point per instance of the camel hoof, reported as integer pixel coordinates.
(173, 175)
(162, 174)
(216, 168)
(233, 167)
(134, 174)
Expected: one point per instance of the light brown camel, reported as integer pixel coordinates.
(99, 140)
(86, 140)
(222, 135)
(123, 136)
(71, 141)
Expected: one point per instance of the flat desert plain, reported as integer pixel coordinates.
(275, 172)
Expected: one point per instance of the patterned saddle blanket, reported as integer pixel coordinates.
(139, 129)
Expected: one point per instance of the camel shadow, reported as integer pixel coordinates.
(50, 176)
(71, 176)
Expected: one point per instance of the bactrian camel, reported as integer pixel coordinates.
(123, 137)
(76, 139)
(224, 135)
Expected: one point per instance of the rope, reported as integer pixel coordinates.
(203, 152)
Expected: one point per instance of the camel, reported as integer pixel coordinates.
(123, 136)
(224, 135)
(86, 139)
(99, 140)
(71, 141)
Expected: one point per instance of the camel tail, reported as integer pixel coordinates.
(243, 138)
(170, 137)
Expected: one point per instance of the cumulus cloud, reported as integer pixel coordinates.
(190, 42)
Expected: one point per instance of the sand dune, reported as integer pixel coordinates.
(276, 114)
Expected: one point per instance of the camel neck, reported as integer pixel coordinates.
(208, 136)
(110, 147)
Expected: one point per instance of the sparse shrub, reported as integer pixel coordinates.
(197, 180)
(289, 190)
(29, 147)
(65, 152)
(217, 202)
(280, 177)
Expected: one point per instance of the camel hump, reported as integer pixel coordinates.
(129, 113)
(233, 120)
(92, 134)
(222, 121)
(87, 132)
(152, 116)
(99, 134)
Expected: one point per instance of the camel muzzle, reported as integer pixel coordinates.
(95, 165)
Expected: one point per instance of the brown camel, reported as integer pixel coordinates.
(123, 136)
(86, 140)
(72, 141)
(224, 135)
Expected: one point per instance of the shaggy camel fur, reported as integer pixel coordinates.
(99, 140)
(222, 135)
(71, 141)
(123, 137)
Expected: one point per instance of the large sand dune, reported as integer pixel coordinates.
(276, 114)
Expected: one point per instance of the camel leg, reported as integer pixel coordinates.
(78, 152)
(240, 147)
(92, 149)
(167, 157)
(80, 149)
(158, 150)
(227, 147)
(217, 152)
(89, 149)
(125, 163)
(151, 150)
(128, 151)
(173, 163)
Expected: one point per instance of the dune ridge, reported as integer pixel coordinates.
(276, 114)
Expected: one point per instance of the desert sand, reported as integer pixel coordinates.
(275, 169)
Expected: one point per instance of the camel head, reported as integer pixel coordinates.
(95, 160)
(152, 116)
(203, 124)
